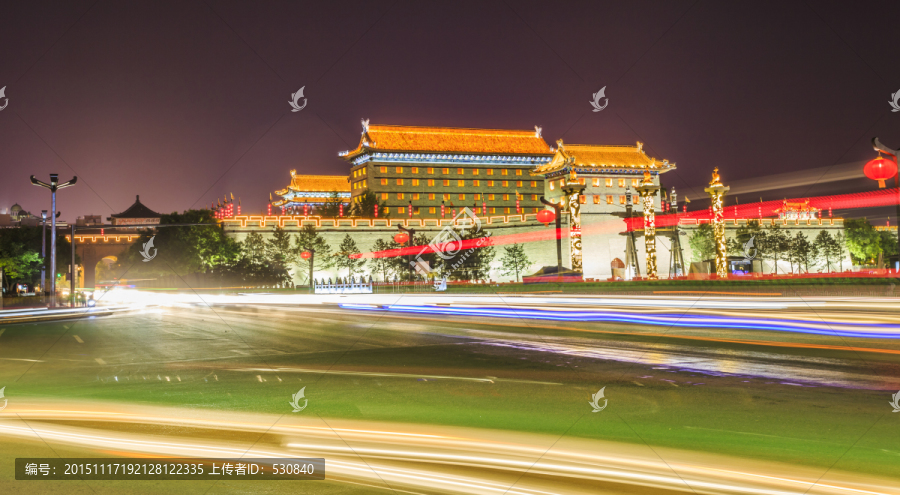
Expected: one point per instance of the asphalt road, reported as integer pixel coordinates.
(435, 399)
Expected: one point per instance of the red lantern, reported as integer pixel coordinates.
(880, 169)
(546, 216)
(401, 238)
(376, 211)
(305, 255)
(341, 210)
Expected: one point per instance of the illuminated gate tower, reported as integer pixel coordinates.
(716, 193)
(307, 193)
(602, 174)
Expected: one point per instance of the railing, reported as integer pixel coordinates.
(343, 286)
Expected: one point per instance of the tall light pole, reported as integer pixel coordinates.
(53, 186)
(43, 253)
(717, 193)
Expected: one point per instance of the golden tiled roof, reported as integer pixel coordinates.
(316, 183)
(450, 140)
(602, 157)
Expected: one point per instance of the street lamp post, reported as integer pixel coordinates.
(43, 253)
(894, 153)
(53, 186)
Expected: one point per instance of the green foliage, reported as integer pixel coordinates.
(280, 250)
(345, 257)
(776, 243)
(364, 206)
(863, 241)
(308, 240)
(180, 250)
(472, 263)
(828, 250)
(703, 242)
(515, 260)
(20, 255)
(801, 252)
(383, 266)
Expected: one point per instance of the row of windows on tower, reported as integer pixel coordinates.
(446, 171)
(446, 183)
(448, 197)
(596, 182)
(434, 210)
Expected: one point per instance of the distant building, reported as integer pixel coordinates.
(311, 191)
(89, 220)
(424, 168)
(136, 214)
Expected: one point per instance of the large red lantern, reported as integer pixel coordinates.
(546, 216)
(880, 169)
(305, 255)
(401, 238)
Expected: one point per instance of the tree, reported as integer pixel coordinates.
(331, 208)
(280, 251)
(800, 252)
(840, 245)
(703, 242)
(347, 256)
(382, 265)
(863, 241)
(253, 248)
(182, 250)
(515, 260)
(307, 240)
(472, 263)
(742, 236)
(777, 243)
(18, 260)
(826, 249)
(364, 206)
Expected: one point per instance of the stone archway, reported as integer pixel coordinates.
(93, 249)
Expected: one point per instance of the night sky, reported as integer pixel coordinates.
(183, 102)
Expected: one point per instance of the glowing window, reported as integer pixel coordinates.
(506, 183)
(582, 199)
(608, 182)
(446, 197)
(506, 197)
(387, 210)
(596, 199)
(460, 183)
(490, 183)
(460, 171)
(399, 195)
(493, 210)
(506, 210)
(534, 197)
(445, 170)
(399, 182)
(446, 182)
(430, 195)
(399, 170)
(474, 171)
(504, 172)
(490, 197)
(383, 182)
(490, 171)
(415, 195)
(462, 196)
(476, 182)
(401, 209)
(415, 182)
(383, 169)
(552, 186)
(431, 210)
(518, 183)
(518, 171)
(609, 199)
(430, 182)
(621, 182)
(430, 170)
(415, 170)
(622, 199)
(477, 197)
(534, 183)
